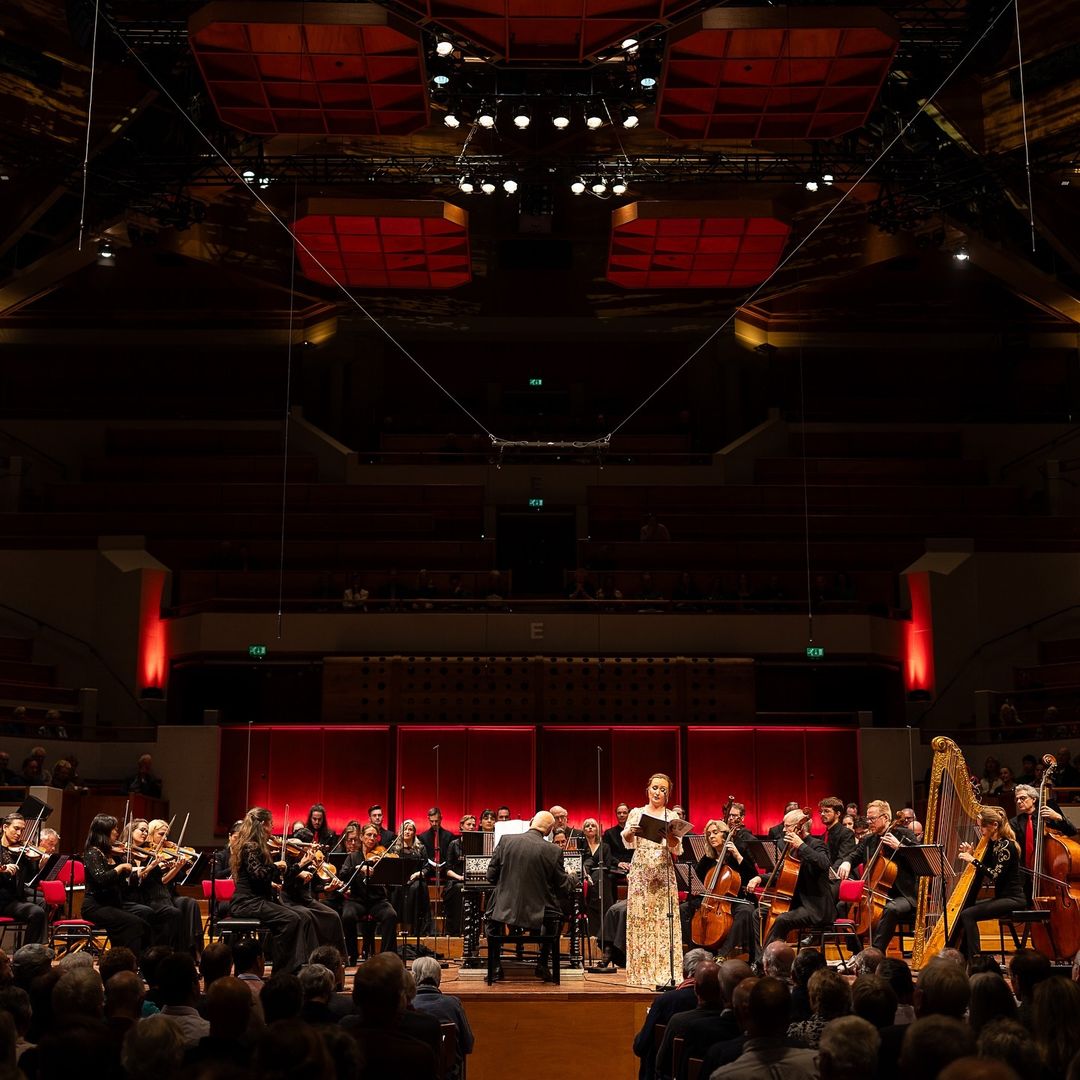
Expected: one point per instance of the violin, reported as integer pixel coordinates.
(28, 851)
(293, 846)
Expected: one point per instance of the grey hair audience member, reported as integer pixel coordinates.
(153, 1049)
(848, 1049)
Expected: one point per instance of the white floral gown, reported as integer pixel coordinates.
(650, 880)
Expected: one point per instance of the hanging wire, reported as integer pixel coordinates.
(299, 244)
(89, 116)
(1023, 117)
(828, 214)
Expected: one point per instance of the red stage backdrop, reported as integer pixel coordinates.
(768, 767)
(529, 768)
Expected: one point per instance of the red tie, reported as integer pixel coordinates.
(1029, 844)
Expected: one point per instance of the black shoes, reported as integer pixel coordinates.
(543, 973)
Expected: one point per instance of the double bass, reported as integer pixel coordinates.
(775, 899)
(1056, 887)
(714, 918)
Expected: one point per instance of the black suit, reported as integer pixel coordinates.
(699, 1028)
(680, 999)
(812, 903)
(902, 894)
(1019, 826)
(437, 852)
(741, 837)
(530, 885)
(616, 851)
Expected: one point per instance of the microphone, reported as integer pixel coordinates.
(599, 749)
(435, 747)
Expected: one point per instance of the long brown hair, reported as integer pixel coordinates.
(994, 815)
(252, 831)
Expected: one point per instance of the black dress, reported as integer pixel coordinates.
(176, 920)
(293, 932)
(13, 902)
(104, 903)
(297, 894)
(1000, 865)
(744, 932)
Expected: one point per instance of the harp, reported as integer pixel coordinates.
(952, 812)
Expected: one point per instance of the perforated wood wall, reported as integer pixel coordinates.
(538, 690)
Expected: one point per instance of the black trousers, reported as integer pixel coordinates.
(126, 927)
(896, 909)
(987, 909)
(31, 914)
(386, 920)
(793, 920)
(326, 921)
(293, 933)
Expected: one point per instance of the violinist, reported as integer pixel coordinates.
(148, 894)
(258, 880)
(365, 899)
(885, 835)
(189, 931)
(106, 884)
(303, 874)
(1025, 827)
(14, 866)
(999, 865)
(812, 901)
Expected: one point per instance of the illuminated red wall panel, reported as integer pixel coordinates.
(152, 644)
(312, 69)
(345, 768)
(703, 245)
(384, 243)
(629, 755)
(774, 73)
(767, 767)
(553, 30)
(919, 635)
(478, 767)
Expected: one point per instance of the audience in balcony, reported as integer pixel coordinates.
(653, 530)
(582, 587)
(144, 782)
(355, 596)
(7, 776)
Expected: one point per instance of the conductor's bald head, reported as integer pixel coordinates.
(543, 822)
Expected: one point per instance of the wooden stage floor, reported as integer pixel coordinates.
(584, 1027)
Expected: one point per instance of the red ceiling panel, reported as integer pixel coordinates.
(316, 69)
(552, 30)
(774, 73)
(705, 245)
(384, 243)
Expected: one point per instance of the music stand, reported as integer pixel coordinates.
(763, 858)
(32, 806)
(396, 872)
(927, 860)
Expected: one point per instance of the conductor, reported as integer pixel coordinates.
(530, 883)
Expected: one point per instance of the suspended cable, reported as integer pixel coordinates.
(1023, 119)
(89, 117)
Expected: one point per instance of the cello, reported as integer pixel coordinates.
(1056, 888)
(775, 899)
(878, 878)
(713, 919)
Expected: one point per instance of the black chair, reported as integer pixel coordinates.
(495, 943)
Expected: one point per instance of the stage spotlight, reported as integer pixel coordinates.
(522, 117)
(599, 186)
(648, 82)
(510, 186)
(827, 178)
(630, 118)
(629, 45)
(264, 182)
(594, 115)
(811, 185)
(487, 187)
(486, 116)
(578, 186)
(248, 175)
(560, 118)
(106, 256)
(451, 119)
(444, 46)
(619, 186)
(466, 185)
(961, 255)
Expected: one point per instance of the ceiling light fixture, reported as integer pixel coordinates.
(630, 118)
(487, 187)
(510, 186)
(629, 44)
(451, 119)
(599, 186)
(522, 117)
(444, 46)
(811, 185)
(827, 178)
(560, 119)
(106, 256)
(486, 116)
(594, 115)
(618, 186)
(466, 186)
(961, 255)
(648, 82)
(578, 186)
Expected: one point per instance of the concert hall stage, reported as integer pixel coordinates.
(583, 1028)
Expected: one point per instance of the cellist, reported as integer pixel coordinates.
(1025, 828)
(888, 837)
(839, 841)
(812, 901)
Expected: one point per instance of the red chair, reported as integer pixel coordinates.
(221, 890)
(66, 935)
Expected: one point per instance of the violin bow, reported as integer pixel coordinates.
(22, 852)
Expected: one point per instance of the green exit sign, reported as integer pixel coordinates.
(257, 651)
(815, 652)
(536, 504)
(536, 382)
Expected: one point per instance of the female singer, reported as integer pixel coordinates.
(106, 887)
(415, 905)
(258, 878)
(189, 929)
(1000, 865)
(652, 891)
(146, 894)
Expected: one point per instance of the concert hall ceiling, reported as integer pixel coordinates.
(345, 104)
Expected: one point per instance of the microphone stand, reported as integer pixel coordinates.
(601, 873)
(670, 984)
(439, 862)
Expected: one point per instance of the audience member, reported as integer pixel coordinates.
(931, 1043)
(153, 1049)
(679, 999)
(179, 984)
(701, 1026)
(806, 963)
(1056, 1023)
(281, 997)
(991, 999)
(873, 999)
(848, 1049)
(1010, 1042)
(229, 1008)
(144, 782)
(444, 1007)
(1027, 968)
(830, 998)
(124, 993)
(317, 984)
